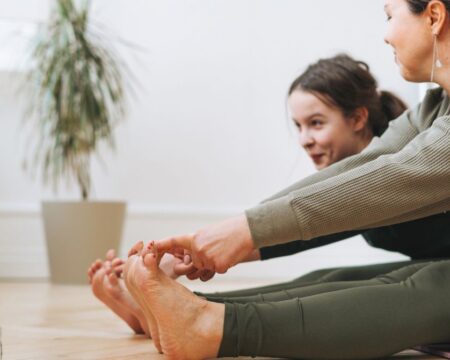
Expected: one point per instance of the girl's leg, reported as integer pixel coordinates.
(320, 288)
(356, 323)
(352, 273)
(366, 272)
(307, 279)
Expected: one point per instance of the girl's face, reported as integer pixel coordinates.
(411, 38)
(324, 132)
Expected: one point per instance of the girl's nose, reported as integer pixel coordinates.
(306, 139)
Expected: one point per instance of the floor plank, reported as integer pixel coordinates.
(47, 322)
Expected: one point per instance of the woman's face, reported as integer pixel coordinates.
(324, 132)
(410, 36)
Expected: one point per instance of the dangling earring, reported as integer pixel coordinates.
(436, 62)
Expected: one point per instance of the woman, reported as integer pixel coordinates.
(402, 176)
(337, 109)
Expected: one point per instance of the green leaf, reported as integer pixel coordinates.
(78, 94)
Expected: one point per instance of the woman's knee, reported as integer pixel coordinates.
(435, 275)
(401, 274)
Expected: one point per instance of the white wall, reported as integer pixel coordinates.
(208, 134)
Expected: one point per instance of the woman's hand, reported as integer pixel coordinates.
(215, 248)
(192, 273)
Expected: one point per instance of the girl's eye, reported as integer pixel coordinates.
(297, 125)
(388, 17)
(316, 122)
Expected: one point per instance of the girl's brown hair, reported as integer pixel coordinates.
(347, 83)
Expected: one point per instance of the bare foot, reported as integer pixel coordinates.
(116, 289)
(112, 292)
(135, 251)
(168, 265)
(189, 327)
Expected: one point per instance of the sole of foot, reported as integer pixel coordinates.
(189, 327)
(113, 295)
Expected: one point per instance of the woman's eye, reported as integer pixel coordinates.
(316, 122)
(388, 17)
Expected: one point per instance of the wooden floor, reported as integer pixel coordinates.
(40, 321)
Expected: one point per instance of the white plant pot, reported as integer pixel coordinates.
(77, 233)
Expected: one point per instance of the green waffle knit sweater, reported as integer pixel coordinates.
(401, 176)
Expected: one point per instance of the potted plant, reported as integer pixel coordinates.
(77, 99)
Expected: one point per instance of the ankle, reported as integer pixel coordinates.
(210, 326)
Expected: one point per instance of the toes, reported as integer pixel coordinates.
(89, 274)
(150, 262)
(136, 249)
(113, 279)
(110, 254)
(152, 247)
(97, 264)
(117, 262)
(147, 250)
(108, 268)
(118, 265)
(118, 270)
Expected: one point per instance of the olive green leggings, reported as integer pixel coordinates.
(350, 273)
(349, 319)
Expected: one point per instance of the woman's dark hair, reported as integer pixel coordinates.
(418, 6)
(348, 85)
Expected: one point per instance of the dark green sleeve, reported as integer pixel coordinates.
(426, 238)
(297, 246)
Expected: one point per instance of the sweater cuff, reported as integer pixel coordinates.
(273, 222)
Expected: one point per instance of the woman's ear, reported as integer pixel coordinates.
(360, 118)
(437, 15)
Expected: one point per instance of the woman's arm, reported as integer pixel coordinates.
(400, 132)
(409, 184)
(366, 191)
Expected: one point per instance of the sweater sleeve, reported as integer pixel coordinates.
(401, 176)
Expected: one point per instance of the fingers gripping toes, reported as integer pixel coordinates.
(151, 248)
